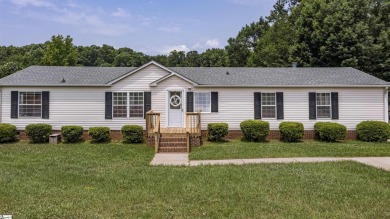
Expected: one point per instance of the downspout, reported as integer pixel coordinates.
(386, 102)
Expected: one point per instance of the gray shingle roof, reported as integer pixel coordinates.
(213, 76)
(278, 76)
(53, 75)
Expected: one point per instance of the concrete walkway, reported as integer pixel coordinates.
(174, 159)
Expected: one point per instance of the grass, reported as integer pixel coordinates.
(239, 149)
(115, 181)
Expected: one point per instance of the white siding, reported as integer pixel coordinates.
(355, 105)
(86, 107)
(83, 106)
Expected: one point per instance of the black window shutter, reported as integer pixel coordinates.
(147, 102)
(335, 105)
(190, 101)
(279, 105)
(108, 105)
(45, 104)
(214, 102)
(14, 104)
(312, 105)
(257, 105)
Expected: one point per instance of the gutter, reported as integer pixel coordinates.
(292, 86)
(56, 85)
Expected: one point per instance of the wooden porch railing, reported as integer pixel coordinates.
(153, 127)
(193, 126)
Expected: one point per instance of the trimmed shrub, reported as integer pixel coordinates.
(216, 131)
(7, 133)
(38, 133)
(255, 130)
(71, 133)
(99, 134)
(375, 131)
(133, 134)
(291, 131)
(330, 131)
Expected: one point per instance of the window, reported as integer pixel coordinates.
(268, 105)
(323, 105)
(202, 102)
(136, 104)
(30, 104)
(120, 105)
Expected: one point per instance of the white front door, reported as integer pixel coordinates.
(175, 109)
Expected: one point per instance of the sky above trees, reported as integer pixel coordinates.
(152, 27)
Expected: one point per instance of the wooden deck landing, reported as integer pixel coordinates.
(173, 131)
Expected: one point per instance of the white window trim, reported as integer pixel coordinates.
(330, 106)
(195, 101)
(20, 104)
(128, 105)
(276, 110)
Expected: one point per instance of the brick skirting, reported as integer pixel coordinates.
(196, 141)
(275, 134)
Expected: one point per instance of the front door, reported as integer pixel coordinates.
(175, 109)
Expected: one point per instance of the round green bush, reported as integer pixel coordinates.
(38, 133)
(291, 131)
(330, 131)
(255, 130)
(99, 134)
(373, 131)
(133, 134)
(71, 133)
(7, 133)
(216, 131)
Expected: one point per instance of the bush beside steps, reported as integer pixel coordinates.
(132, 134)
(216, 131)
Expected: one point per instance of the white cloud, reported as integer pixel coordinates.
(120, 13)
(83, 17)
(212, 43)
(36, 3)
(168, 49)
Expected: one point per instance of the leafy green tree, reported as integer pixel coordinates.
(192, 59)
(176, 58)
(9, 68)
(240, 48)
(60, 51)
(214, 58)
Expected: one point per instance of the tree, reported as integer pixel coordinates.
(9, 68)
(240, 48)
(176, 59)
(192, 59)
(60, 52)
(214, 58)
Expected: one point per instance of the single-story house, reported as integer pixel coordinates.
(117, 96)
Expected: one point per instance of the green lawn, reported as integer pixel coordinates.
(115, 181)
(239, 149)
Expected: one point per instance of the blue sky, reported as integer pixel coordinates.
(149, 26)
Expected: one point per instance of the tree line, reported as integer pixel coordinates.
(313, 33)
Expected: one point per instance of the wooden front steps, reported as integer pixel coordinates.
(173, 140)
(172, 143)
